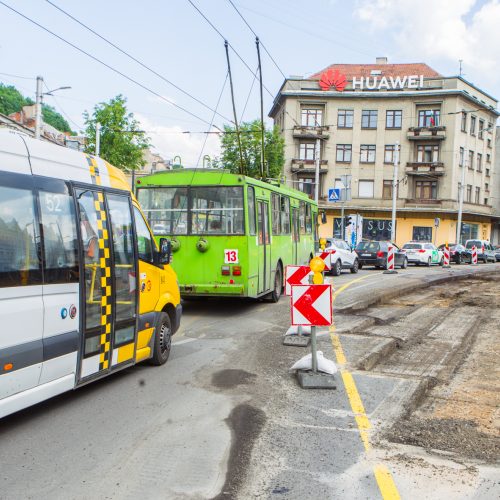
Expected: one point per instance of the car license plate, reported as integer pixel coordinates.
(366, 255)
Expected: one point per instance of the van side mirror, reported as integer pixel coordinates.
(165, 251)
(323, 217)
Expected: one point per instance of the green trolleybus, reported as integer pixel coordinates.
(232, 235)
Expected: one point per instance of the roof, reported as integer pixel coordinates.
(394, 70)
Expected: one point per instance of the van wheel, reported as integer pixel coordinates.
(404, 265)
(275, 295)
(337, 268)
(163, 340)
(355, 267)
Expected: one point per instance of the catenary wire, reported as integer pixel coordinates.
(154, 72)
(61, 108)
(144, 87)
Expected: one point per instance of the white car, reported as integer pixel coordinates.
(342, 256)
(423, 253)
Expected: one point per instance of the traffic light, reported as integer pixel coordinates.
(348, 221)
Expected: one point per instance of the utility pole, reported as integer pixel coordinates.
(262, 150)
(38, 107)
(97, 139)
(242, 165)
(461, 200)
(316, 176)
(394, 191)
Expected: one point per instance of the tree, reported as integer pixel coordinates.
(11, 100)
(52, 117)
(250, 133)
(122, 142)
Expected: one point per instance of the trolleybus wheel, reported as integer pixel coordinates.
(275, 295)
(163, 340)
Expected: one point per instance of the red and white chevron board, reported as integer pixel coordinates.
(390, 257)
(474, 254)
(326, 257)
(296, 275)
(311, 305)
(446, 257)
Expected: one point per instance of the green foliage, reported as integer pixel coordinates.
(52, 117)
(250, 133)
(122, 142)
(11, 100)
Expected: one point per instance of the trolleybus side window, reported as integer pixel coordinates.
(308, 219)
(57, 212)
(144, 239)
(285, 215)
(275, 213)
(19, 239)
(124, 267)
(251, 210)
(302, 217)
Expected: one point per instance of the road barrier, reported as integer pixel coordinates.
(446, 257)
(311, 305)
(474, 255)
(390, 260)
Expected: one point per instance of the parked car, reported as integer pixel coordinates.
(458, 253)
(496, 249)
(342, 256)
(374, 253)
(422, 252)
(485, 251)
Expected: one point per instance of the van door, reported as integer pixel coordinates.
(264, 246)
(109, 282)
(21, 304)
(295, 235)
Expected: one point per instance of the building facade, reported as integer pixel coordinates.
(364, 117)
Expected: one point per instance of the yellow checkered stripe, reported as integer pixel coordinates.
(94, 171)
(105, 266)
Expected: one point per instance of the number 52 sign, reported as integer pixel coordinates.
(231, 256)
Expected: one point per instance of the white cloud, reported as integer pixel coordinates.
(170, 141)
(441, 31)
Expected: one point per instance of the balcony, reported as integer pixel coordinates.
(305, 132)
(426, 133)
(417, 202)
(308, 166)
(425, 168)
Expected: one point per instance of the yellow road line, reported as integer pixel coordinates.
(382, 474)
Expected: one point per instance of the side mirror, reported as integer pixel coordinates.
(323, 217)
(165, 251)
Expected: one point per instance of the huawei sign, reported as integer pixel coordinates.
(333, 78)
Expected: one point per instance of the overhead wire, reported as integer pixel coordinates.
(154, 72)
(144, 87)
(61, 108)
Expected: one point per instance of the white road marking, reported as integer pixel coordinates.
(183, 341)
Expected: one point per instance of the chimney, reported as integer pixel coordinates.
(381, 60)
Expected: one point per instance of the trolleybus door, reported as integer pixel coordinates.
(295, 234)
(264, 246)
(109, 289)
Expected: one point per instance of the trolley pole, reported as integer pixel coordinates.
(394, 191)
(263, 167)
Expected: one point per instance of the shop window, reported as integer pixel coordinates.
(422, 233)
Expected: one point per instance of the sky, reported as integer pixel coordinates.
(179, 45)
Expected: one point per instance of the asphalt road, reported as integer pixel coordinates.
(222, 418)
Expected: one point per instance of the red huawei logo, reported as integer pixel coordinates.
(333, 78)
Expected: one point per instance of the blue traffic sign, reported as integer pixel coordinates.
(334, 194)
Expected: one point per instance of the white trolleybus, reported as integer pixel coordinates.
(84, 289)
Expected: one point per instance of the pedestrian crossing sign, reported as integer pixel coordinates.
(334, 194)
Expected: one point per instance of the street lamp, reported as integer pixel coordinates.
(39, 102)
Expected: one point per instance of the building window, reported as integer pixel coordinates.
(312, 117)
(477, 195)
(463, 124)
(481, 129)
(461, 158)
(425, 190)
(345, 118)
(489, 143)
(428, 117)
(393, 118)
(344, 153)
(427, 153)
(367, 153)
(471, 160)
(487, 172)
(485, 201)
(307, 151)
(486, 186)
(365, 189)
(479, 165)
(472, 125)
(307, 186)
(390, 153)
(468, 197)
(387, 190)
(422, 233)
(488, 157)
(369, 118)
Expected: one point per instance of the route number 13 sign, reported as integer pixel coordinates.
(231, 256)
